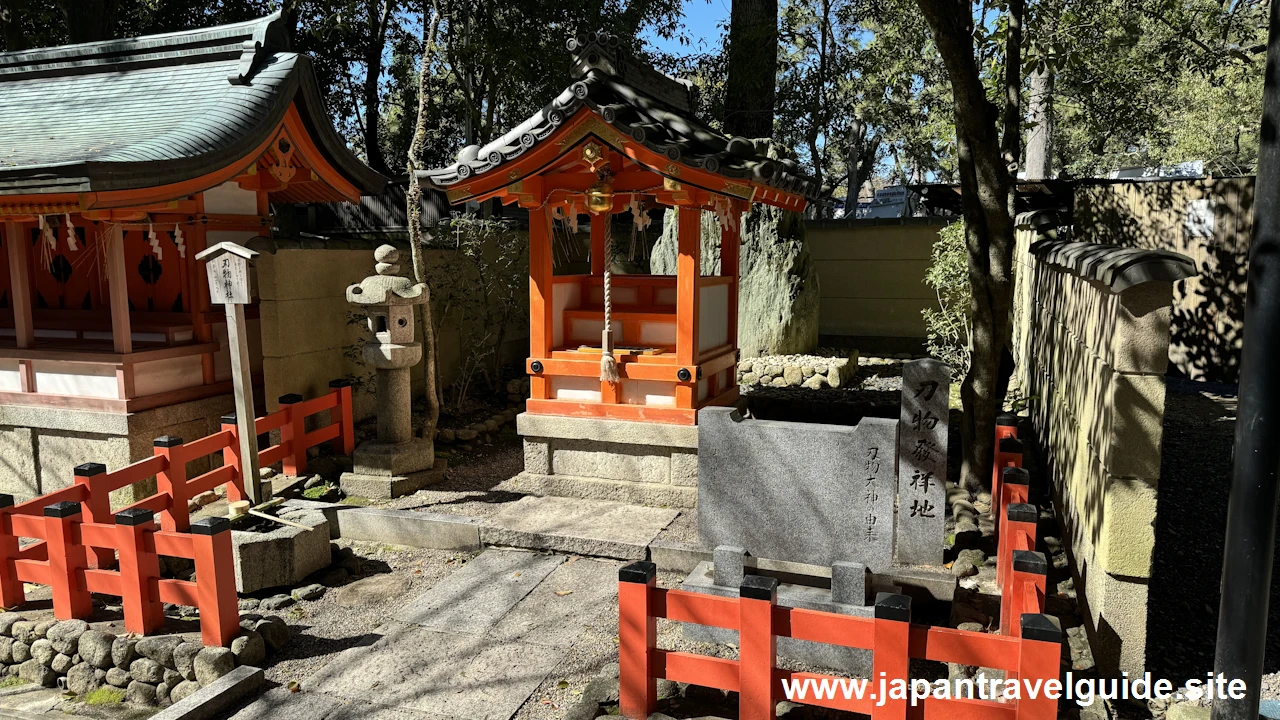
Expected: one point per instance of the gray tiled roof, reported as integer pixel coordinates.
(155, 110)
(653, 109)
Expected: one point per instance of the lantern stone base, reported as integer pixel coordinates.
(384, 470)
(633, 462)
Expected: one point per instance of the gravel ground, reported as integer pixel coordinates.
(323, 628)
(1199, 428)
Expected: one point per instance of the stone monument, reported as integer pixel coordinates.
(396, 463)
(922, 462)
(804, 492)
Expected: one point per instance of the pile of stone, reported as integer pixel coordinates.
(811, 371)
(156, 670)
(464, 438)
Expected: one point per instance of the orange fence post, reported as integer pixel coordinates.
(67, 562)
(172, 481)
(1039, 657)
(11, 588)
(139, 571)
(757, 648)
(1008, 454)
(1019, 534)
(231, 458)
(97, 509)
(637, 640)
(291, 435)
(345, 443)
(1030, 569)
(890, 659)
(1006, 427)
(215, 581)
(1014, 489)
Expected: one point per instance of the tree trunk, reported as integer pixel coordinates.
(986, 197)
(378, 21)
(90, 20)
(1040, 141)
(413, 197)
(752, 68)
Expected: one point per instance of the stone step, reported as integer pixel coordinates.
(599, 528)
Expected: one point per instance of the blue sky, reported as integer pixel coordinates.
(702, 20)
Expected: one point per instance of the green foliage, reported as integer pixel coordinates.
(11, 681)
(949, 326)
(104, 696)
(481, 288)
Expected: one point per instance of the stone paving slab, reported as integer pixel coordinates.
(473, 599)
(578, 594)
(572, 525)
(448, 675)
(280, 704)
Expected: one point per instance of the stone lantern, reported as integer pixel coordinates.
(396, 463)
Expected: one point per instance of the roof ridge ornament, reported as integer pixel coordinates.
(269, 37)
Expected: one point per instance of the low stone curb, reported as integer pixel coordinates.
(676, 557)
(211, 700)
(411, 528)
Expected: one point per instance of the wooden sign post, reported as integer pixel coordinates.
(228, 266)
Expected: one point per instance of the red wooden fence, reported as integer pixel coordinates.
(78, 537)
(1027, 648)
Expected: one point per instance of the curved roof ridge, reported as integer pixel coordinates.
(220, 92)
(268, 32)
(641, 103)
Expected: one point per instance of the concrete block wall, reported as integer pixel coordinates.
(871, 274)
(1092, 351)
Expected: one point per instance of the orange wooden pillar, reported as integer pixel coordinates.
(215, 581)
(231, 458)
(11, 588)
(541, 299)
(97, 509)
(1039, 655)
(688, 271)
(1005, 433)
(637, 641)
(890, 656)
(730, 258)
(757, 648)
(172, 481)
(292, 435)
(118, 290)
(1014, 490)
(1028, 576)
(341, 414)
(67, 562)
(139, 571)
(1020, 534)
(19, 252)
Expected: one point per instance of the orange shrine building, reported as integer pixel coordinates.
(119, 162)
(623, 138)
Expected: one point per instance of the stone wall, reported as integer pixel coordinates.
(149, 671)
(306, 328)
(39, 446)
(1091, 337)
(644, 463)
(872, 276)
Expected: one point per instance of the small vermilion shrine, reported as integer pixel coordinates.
(123, 160)
(621, 138)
